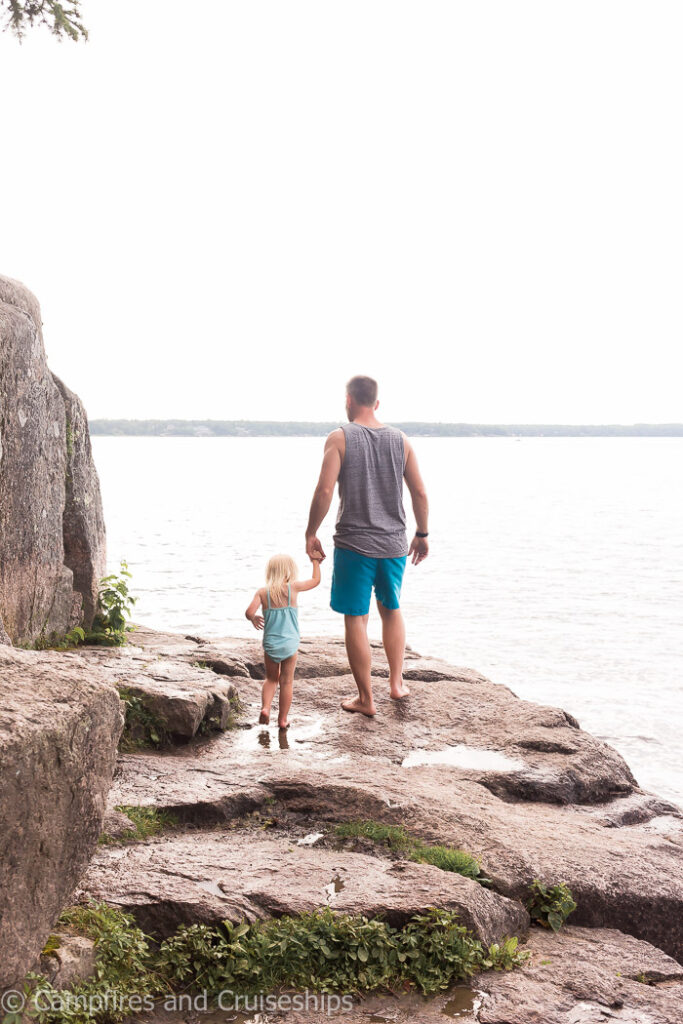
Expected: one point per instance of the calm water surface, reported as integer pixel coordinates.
(556, 564)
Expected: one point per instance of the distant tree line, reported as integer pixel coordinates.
(277, 428)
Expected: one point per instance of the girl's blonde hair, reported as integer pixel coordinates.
(280, 571)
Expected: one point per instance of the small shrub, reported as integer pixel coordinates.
(124, 965)
(550, 905)
(329, 952)
(321, 951)
(114, 608)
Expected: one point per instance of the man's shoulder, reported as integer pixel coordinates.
(335, 437)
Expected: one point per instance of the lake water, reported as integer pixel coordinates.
(556, 564)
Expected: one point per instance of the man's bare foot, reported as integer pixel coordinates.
(398, 692)
(368, 710)
(264, 718)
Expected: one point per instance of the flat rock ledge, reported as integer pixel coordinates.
(462, 762)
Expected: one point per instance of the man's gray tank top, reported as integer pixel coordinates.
(371, 518)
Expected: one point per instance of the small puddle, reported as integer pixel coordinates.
(335, 886)
(463, 1004)
(663, 825)
(269, 737)
(462, 756)
(214, 888)
(311, 839)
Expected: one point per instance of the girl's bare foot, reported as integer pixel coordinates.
(397, 692)
(283, 725)
(368, 710)
(264, 718)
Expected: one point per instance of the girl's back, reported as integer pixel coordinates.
(281, 634)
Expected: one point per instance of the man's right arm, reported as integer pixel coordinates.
(322, 497)
(419, 546)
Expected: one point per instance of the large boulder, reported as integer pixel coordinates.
(60, 722)
(52, 540)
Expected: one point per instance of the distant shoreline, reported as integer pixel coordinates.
(277, 428)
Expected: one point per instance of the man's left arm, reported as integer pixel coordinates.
(419, 546)
(322, 497)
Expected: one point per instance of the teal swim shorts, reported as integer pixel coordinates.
(354, 575)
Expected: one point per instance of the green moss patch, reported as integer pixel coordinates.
(145, 822)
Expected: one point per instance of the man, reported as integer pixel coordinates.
(369, 461)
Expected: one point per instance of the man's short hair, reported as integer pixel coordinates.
(363, 391)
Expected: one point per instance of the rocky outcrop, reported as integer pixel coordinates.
(52, 541)
(462, 762)
(250, 816)
(60, 722)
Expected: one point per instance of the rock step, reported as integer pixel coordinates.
(209, 877)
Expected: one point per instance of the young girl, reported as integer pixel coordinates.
(280, 625)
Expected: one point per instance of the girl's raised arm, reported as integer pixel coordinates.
(314, 580)
(256, 620)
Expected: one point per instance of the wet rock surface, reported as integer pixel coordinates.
(461, 762)
(59, 726)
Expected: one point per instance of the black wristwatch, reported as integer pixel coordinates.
(418, 534)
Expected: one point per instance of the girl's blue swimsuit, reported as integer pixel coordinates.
(281, 629)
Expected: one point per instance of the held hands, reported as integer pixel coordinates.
(257, 621)
(419, 549)
(314, 549)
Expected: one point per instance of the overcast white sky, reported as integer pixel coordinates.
(228, 208)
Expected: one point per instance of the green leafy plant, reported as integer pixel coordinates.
(56, 641)
(141, 728)
(321, 951)
(397, 839)
(329, 952)
(73, 638)
(114, 608)
(124, 965)
(550, 905)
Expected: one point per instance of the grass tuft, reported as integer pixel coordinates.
(145, 822)
(396, 838)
